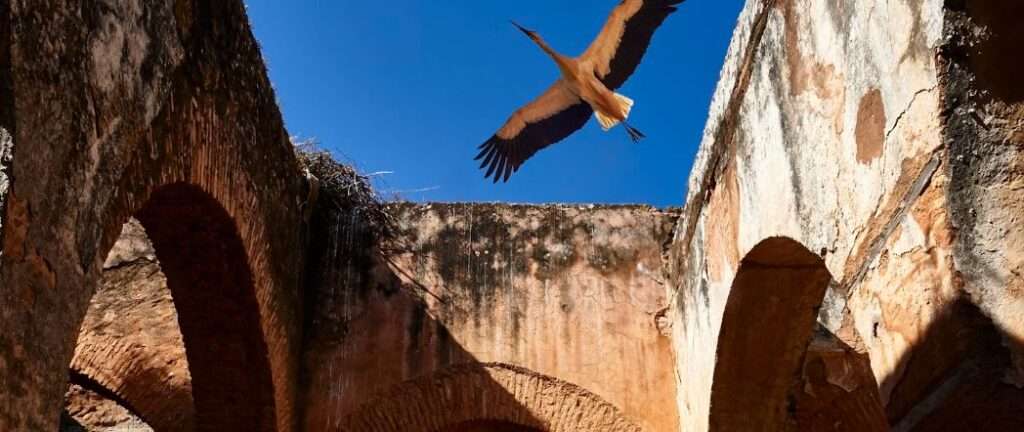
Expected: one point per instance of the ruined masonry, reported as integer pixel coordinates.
(849, 257)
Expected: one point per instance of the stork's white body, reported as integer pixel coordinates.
(580, 77)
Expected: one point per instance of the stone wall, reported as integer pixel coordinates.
(570, 293)
(985, 137)
(880, 136)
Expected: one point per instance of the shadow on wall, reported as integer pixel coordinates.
(490, 426)
(777, 369)
(957, 378)
(960, 376)
(377, 360)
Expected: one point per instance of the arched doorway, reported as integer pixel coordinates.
(765, 361)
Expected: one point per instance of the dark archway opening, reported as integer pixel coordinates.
(206, 264)
(772, 353)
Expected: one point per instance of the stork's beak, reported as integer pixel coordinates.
(529, 33)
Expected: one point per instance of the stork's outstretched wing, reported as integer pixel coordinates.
(617, 51)
(549, 119)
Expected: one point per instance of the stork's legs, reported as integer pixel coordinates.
(634, 134)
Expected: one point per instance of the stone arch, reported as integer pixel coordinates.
(206, 266)
(137, 378)
(181, 107)
(473, 395)
(768, 327)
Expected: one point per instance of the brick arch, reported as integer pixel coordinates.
(473, 395)
(768, 322)
(178, 102)
(137, 378)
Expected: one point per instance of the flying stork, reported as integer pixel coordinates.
(587, 86)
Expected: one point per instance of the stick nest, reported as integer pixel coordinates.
(343, 191)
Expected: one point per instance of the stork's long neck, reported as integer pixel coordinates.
(560, 60)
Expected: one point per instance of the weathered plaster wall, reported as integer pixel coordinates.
(835, 125)
(571, 293)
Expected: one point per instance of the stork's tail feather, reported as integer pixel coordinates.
(605, 121)
(625, 103)
(625, 106)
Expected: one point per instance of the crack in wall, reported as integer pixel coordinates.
(910, 105)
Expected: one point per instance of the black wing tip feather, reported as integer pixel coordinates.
(498, 164)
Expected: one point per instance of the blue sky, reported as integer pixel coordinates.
(413, 87)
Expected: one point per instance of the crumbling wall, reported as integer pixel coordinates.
(571, 293)
(984, 99)
(836, 124)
